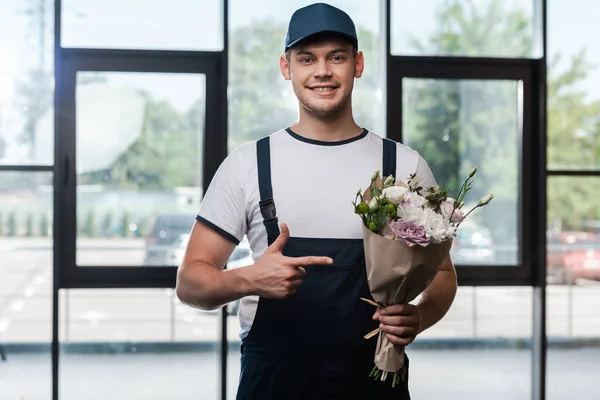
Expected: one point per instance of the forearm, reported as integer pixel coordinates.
(206, 287)
(437, 298)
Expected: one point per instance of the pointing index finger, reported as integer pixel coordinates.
(310, 261)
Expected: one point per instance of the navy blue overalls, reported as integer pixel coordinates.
(311, 345)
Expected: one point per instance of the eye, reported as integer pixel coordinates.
(337, 58)
(305, 60)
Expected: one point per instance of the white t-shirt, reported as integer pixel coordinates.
(314, 184)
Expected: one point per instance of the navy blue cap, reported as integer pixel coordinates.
(319, 18)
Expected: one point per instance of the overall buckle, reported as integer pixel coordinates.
(267, 209)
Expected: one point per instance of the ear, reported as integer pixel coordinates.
(359, 64)
(284, 66)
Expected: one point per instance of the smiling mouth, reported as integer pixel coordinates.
(323, 89)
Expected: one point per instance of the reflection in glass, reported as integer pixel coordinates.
(573, 294)
(460, 124)
(143, 24)
(573, 85)
(490, 28)
(26, 82)
(261, 101)
(136, 344)
(25, 284)
(139, 165)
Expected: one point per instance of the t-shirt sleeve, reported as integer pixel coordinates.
(223, 207)
(424, 172)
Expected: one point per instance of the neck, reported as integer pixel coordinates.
(331, 128)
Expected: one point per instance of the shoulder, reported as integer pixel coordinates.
(246, 153)
(409, 161)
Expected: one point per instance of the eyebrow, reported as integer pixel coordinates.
(303, 52)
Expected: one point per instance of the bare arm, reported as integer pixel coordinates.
(202, 282)
(439, 295)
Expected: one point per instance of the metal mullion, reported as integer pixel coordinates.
(58, 251)
(221, 152)
(573, 173)
(538, 219)
(26, 168)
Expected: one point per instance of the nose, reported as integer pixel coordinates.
(323, 69)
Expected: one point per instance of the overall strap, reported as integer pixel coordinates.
(389, 158)
(267, 204)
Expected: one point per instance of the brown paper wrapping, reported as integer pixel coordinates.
(397, 274)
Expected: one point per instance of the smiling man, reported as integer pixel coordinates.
(301, 317)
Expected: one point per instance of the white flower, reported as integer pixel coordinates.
(437, 227)
(407, 212)
(414, 199)
(395, 194)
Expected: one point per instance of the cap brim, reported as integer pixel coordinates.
(297, 41)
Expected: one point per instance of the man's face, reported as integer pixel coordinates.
(322, 74)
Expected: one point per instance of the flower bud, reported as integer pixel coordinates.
(472, 173)
(375, 175)
(373, 226)
(362, 208)
(486, 199)
(388, 181)
(374, 203)
(391, 209)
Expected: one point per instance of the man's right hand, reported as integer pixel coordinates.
(276, 276)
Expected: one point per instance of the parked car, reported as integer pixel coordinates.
(572, 255)
(164, 238)
(473, 244)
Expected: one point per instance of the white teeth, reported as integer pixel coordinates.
(323, 89)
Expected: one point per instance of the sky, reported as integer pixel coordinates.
(196, 25)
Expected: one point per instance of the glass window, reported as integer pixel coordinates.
(488, 28)
(139, 343)
(573, 85)
(26, 82)
(573, 296)
(26, 255)
(457, 125)
(143, 24)
(140, 142)
(484, 340)
(261, 101)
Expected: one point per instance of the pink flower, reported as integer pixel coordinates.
(447, 206)
(411, 233)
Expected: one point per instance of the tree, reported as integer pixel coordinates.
(573, 129)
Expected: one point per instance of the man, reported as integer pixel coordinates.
(302, 320)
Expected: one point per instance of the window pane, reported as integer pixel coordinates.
(25, 284)
(484, 340)
(573, 85)
(143, 24)
(261, 101)
(573, 307)
(26, 82)
(489, 28)
(117, 344)
(139, 165)
(461, 124)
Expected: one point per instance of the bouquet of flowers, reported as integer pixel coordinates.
(407, 231)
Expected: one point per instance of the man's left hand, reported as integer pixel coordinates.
(401, 323)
